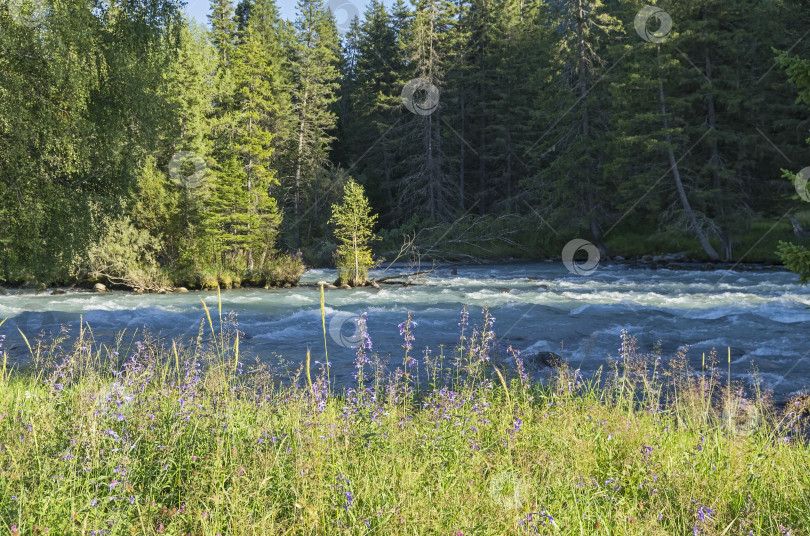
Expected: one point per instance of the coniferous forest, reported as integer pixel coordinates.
(142, 149)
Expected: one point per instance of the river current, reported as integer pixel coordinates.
(761, 314)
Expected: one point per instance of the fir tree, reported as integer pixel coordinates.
(314, 81)
(354, 224)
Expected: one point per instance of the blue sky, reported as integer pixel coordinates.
(343, 9)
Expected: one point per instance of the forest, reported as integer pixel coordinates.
(142, 149)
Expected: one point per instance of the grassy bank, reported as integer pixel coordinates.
(144, 438)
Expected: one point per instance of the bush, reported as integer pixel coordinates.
(279, 270)
(127, 256)
(796, 258)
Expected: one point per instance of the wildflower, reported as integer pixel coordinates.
(704, 513)
(342, 489)
(465, 316)
(405, 330)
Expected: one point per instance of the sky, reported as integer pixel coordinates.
(344, 10)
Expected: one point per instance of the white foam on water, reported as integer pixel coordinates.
(298, 331)
(713, 314)
(779, 347)
(6, 310)
(759, 314)
(540, 346)
(781, 313)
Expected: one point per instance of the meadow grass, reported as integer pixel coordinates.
(142, 437)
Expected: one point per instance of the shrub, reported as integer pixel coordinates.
(353, 228)
(279, 270)
(796, 258)
(127, 256)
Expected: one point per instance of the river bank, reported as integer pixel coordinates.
(676, 261)
(191, 439)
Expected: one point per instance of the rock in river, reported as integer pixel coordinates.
(548, 359)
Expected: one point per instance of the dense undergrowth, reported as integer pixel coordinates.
(145, 438)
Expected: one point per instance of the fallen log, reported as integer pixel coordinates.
(399, 276)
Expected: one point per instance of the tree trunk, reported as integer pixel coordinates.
(431, 200)
(250, 198)
(482, 164)
(725, 242)
(356, 281)
(704, 242)
(298, 166)
(586, 126)
(461, 159)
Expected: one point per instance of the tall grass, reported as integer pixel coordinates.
(143, 438)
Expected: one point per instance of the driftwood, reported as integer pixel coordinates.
(388, 279)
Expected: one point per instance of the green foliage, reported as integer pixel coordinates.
(796, 258)
(279, 271)
(354, 225)
(313, 54)
(127, 256)
(223, 29)
(548, 112)
(158, 438)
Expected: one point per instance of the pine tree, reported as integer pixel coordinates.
(223, 29)
(426, 189)
(375, 103)
(709, 79)
(314, 81)
(569, 148)
(354, 224)
(242, 214)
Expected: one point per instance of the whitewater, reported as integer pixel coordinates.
(762, 314)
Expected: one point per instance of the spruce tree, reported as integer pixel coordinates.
(313, 54)
(426, 189)
(568, 147)
(223, 28)
(244, 215)
(354, 225)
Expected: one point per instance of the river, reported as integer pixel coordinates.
(761, 314)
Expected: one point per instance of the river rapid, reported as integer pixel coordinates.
(761, 314)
